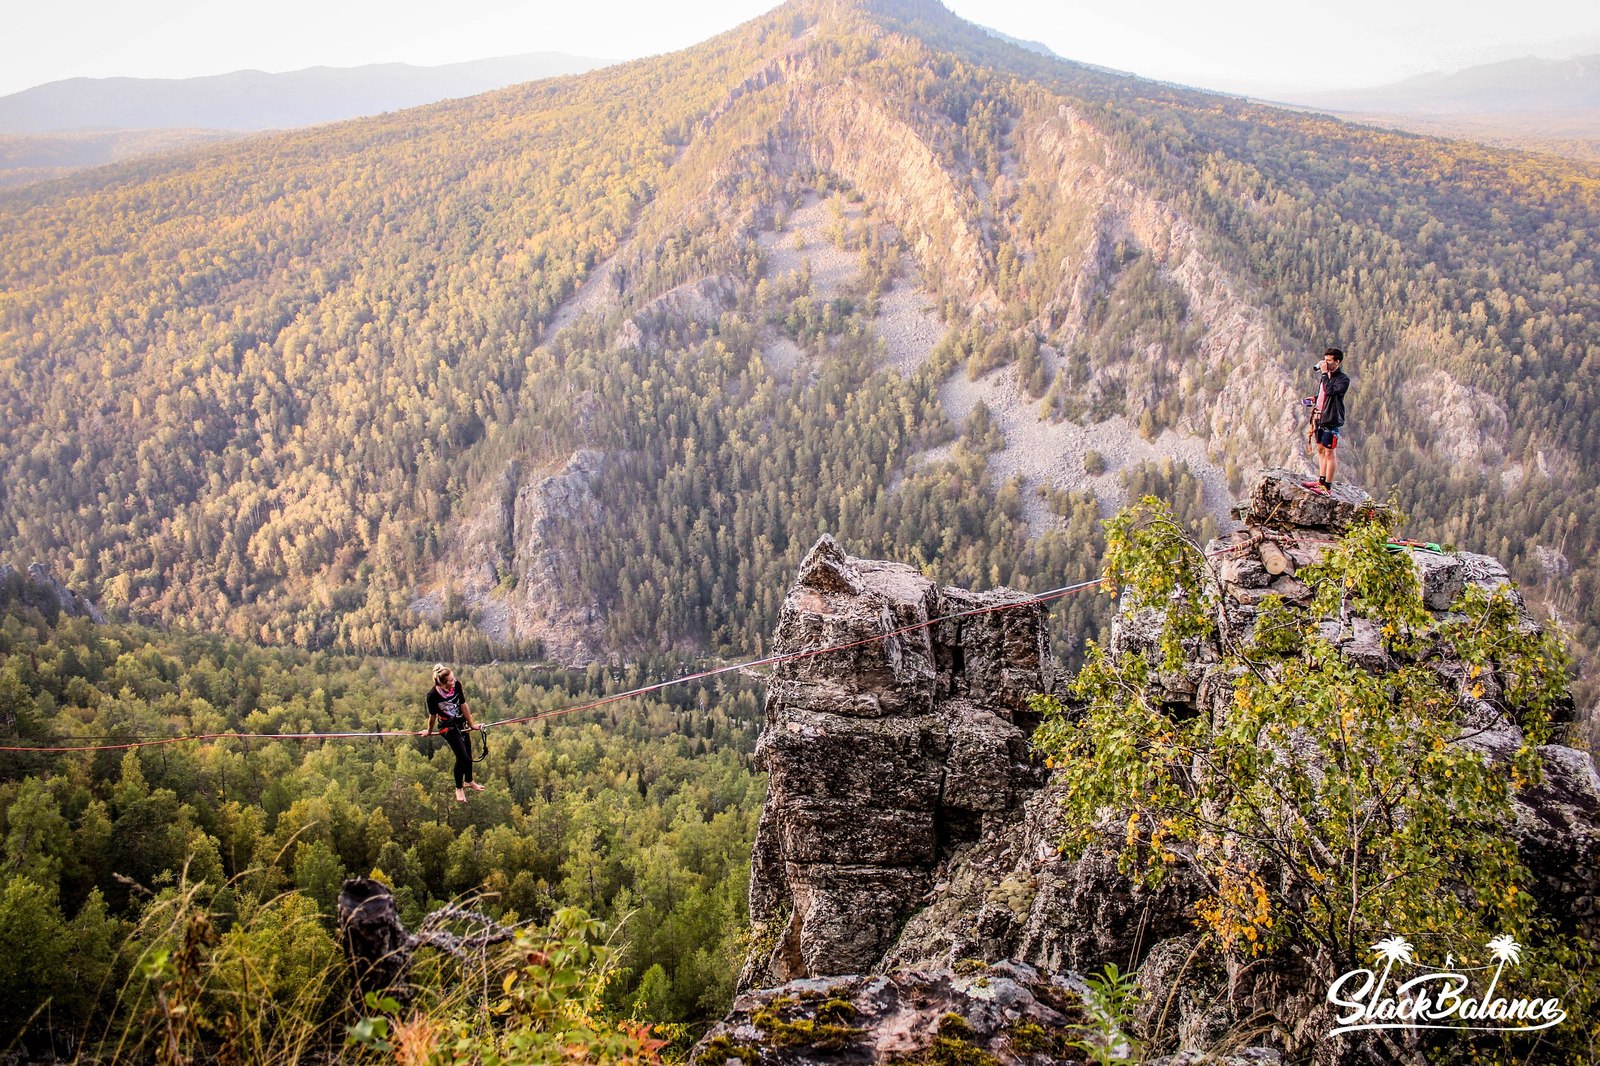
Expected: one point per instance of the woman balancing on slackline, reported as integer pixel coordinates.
(447, 705)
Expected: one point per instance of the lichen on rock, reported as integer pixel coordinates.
(1003, 1015)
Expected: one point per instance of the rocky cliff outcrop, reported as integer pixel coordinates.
(889, 160)
(38, 585)
(908, 830)
(1236, 385)
(513, 563)
(885, 756)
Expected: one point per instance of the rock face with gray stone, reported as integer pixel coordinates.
(514, 554)
(38, 585)
(885, 754)
(907, 831)
(1013, 894)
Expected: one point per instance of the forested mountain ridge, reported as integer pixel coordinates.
(588, 364)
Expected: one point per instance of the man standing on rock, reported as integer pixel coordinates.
(1327, 417)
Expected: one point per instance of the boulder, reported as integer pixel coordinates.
(1245, 572)
(1442, 575)
(374, 941)
(1279, 500)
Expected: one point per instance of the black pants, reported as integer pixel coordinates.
(460, 743)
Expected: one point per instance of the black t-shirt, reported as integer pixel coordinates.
(447, 708)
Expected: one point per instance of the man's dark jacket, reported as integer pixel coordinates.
(1334, 386)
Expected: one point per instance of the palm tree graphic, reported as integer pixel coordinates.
(1502, 949)
(1391, 950)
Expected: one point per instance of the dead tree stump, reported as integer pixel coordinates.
(379, 948)
(374, 941)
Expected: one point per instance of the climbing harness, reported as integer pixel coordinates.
(483, 744)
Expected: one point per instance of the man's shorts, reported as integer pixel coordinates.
(1328, 436)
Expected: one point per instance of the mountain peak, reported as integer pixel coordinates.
(900, 9)
(928, 20)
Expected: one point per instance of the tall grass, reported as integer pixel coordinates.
(220, 976)
(265, 984)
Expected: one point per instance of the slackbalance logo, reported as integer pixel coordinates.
(1447, 998)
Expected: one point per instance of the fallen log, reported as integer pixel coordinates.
(1273, 558)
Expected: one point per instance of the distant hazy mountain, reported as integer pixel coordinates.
(1516, 85)
(1548, 104)
(255, 100)
(1036, 47)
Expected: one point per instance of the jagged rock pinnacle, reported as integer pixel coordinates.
(883, 756)
(827, 568)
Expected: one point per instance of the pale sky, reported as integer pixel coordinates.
(1223, 44)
